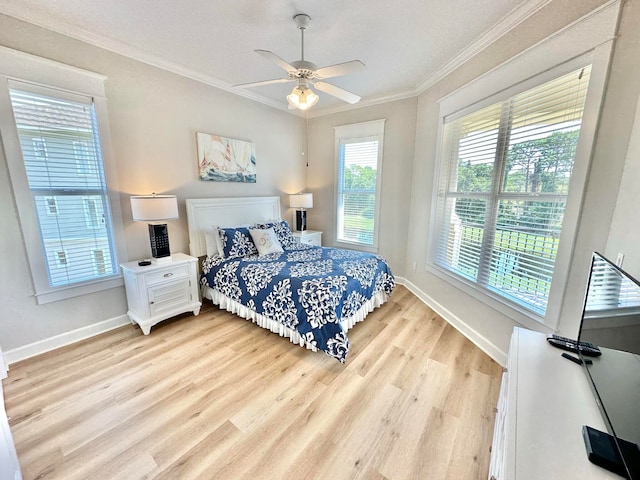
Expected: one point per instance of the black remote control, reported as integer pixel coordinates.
(576, 359)
(587, 349)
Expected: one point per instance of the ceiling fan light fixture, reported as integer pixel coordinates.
(305, 73)
(302, 97)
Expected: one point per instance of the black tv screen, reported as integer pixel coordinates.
(611, 320)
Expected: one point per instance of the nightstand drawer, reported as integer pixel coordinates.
(167, 274)
(309, 237)
(309, 240)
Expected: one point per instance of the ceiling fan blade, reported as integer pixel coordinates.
(263, 82)
(340, 69)
(277, 60)
(337, 92)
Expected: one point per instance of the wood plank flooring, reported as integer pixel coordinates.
(216, 397)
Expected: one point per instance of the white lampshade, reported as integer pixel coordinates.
(301, 200)
(151, 208)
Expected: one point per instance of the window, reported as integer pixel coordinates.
(53, 129)
(93, 216)
(503, 188)
(99, 262)
(50, 115)
(51, 206)
(39, 147)
(62, 258)
(359, 169)
(86, 161)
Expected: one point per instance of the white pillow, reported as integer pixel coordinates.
(213, 242)
(266, 241)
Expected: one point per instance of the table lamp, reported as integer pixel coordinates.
(301, 201)
(156, 208)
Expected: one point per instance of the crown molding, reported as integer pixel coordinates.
(126, 50)
(508, 23)
(320, 112)
(514, 18)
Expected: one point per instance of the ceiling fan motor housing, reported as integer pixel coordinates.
(302, 20)
(304, 69)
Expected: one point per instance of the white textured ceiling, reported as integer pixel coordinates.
(405, 44)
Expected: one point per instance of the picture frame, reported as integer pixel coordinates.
(223, 159)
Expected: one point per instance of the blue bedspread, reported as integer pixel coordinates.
(308, 289)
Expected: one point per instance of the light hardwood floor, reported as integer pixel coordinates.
(216, 397)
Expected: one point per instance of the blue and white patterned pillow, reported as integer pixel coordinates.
(283, 232)
(237, 242)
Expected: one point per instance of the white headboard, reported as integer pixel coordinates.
(203, 213)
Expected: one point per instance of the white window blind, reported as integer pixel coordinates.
(63, 161)
(503, 187)
(359, 160)
(357, 197)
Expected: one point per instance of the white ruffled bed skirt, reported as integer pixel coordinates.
(232, 306)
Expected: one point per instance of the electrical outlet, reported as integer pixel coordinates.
(620, 259)
(415, 265)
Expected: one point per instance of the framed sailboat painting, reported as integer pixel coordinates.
(222, 159)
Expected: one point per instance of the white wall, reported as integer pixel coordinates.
(154, 116)
(624, 234)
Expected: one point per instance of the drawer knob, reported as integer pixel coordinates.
(167, 275)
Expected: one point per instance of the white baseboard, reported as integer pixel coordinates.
(3, 366)
(67, 338)
(479, 340)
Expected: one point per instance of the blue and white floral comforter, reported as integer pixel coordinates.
(308, 289)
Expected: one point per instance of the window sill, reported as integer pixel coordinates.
(356, 246)
(523, 317)
(64, 293)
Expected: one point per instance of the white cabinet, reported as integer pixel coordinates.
(158, 292)
(9, 465)
(544, 402)
(309, 237)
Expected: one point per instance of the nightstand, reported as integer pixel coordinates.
(158, 292)
(309, 237)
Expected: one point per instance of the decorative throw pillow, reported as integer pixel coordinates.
(213, 242)
(237, 242)
(266, 241)
(283, 232)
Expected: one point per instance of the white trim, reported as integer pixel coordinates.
(367, 102)
(578, 38)
(42, 71)
(3, 368)
(64, 339)
(495, 32)
(456, 322)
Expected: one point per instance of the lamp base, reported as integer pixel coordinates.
(301, 220)
(161, 260)
(159, 238)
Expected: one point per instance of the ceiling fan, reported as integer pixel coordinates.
(307, 73)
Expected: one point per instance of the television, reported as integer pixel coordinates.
(611, 321)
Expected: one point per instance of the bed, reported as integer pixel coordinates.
(311, 295)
